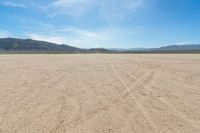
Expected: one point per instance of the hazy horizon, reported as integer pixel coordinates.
(101, 23)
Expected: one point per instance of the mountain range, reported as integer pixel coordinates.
(15, 44)
(29, 44)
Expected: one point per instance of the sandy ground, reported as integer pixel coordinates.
(100, 93)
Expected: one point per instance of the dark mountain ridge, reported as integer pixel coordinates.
(180, 47)
(29, 44)
(15, 44)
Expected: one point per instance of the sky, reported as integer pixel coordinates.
(103, 23)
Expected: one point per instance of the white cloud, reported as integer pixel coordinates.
(109, 10)
(12, 4)
(185, 42)
(104, 37)
(85, 38)
(68, 7)
(48, 38)
(4, 34)
(116, 11)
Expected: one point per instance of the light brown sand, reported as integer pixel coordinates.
(100, 93)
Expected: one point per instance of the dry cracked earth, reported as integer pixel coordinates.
(100, 93)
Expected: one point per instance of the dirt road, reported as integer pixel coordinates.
(100, 93)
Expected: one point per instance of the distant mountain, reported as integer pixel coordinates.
(14, 44)
(187, 47)
(29, 44)
(99, 50)
(128, 49)
(179, 47)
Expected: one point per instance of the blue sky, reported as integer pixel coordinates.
(102, 23)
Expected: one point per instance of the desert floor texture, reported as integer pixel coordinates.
(155, 93)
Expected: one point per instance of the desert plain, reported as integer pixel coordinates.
(100, 93)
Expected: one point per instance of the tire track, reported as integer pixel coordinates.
(148, 88)
(138, 104)
(136, 72)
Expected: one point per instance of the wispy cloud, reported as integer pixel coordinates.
(12, 4)
(4, 34)
(86, 38)
(117, 11)
(68, 7)
(104, 37)
(109, 10)
(48, 38)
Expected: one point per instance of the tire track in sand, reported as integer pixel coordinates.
(149, 89)
(138, 104)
